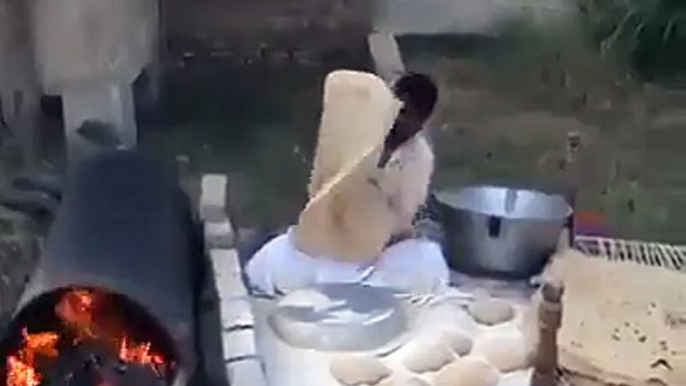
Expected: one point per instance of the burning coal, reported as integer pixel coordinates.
(88, 319)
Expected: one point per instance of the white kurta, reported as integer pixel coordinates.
(405, 180)
(413, 265)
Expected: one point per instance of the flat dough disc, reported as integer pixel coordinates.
(425, 357)
(468, 371)
(505, 351)
(490, 312)
(353, 370)
(622, 321)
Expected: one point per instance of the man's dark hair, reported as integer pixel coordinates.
(418, 90)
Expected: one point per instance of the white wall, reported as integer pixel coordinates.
(84, 41)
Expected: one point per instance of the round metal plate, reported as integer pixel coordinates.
(339, 317)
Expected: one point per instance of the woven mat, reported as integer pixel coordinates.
(625, 313)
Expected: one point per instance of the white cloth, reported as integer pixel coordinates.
(413, 265)
(405, 180)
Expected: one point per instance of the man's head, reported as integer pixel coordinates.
(419, 95)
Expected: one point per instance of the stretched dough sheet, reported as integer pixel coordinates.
(623, 323)
(347, 216)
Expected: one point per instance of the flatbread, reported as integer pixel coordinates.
(623, 322)
(347, 217)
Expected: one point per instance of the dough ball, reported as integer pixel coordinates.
(457, 341)
(469, 371)
(428, 357)
(491, 311)
(403, 381)
(506, 352)
(353, 370)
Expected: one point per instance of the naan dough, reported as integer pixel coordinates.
(353, 370)
(403, 381)
(489, 311)
(457, 341)
(505, 351)
(426, 357)
(468, 371)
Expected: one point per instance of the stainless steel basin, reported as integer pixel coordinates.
(501, 231)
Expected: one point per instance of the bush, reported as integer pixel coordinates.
(648, 36)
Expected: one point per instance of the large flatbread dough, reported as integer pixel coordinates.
(427, 357)
(348, 217)
(623, 322)
(506, 351)
(468, 371)
(353, 370)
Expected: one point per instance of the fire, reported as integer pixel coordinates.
(86, 316)
(21, 374)
(21, 368)
(141, 353)
(76, 310)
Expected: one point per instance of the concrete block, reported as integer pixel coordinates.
(238, 344)
(385, 53)
(247, 372)
(227, 274)
(236, 313)
(225, 260)
(219, 234)
(213, 198)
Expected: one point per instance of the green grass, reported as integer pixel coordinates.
(648, 37)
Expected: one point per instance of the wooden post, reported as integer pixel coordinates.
(549, 320)
(572, 188)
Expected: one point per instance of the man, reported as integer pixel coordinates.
(371, 174)
(407, 159)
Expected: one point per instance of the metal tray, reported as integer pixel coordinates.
(340, 317)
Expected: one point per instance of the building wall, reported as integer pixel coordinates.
(19, 93)
(259, 26)
(18, 85)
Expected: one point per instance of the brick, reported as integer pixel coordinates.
(247, 372)
(238, 343)
(236, 312)
(227, 273)
(219, 234)
(213, 198)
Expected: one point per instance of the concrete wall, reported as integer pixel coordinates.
(19, 88)
(90, 41)
(262, 25)
(19, 93)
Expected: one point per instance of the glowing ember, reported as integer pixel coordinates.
(76, 310)
(42, 343)
(21, 368)
(21, 374)
(86, 316)
(140, 353)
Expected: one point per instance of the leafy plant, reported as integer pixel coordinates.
(647, 35)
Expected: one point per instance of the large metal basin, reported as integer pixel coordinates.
(500, 231)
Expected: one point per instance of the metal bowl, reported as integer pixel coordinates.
(499, 231)
(339, 317)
